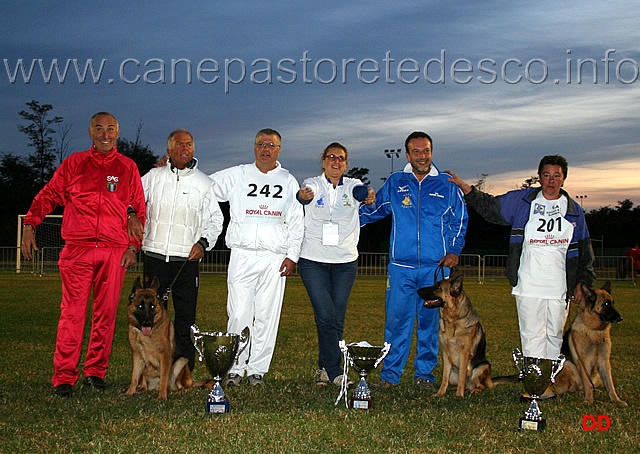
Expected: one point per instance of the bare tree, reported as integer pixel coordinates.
(62, 142)
(481, 182)
(360, 173)
(39, 130)
(139, 125)
(534, 179)
(141, 154)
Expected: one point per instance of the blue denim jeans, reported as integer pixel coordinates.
(329, 286)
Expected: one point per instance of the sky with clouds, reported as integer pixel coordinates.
(496, 84)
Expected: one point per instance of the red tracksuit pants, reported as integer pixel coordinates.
(81, 270)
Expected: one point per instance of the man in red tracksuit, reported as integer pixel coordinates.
(96, 187)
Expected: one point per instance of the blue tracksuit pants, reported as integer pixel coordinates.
(403, 307)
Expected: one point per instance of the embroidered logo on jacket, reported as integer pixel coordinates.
(112, 183)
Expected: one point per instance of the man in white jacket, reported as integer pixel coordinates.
(264, 234)
(183, 221)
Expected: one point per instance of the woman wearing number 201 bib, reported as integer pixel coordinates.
(549, 252)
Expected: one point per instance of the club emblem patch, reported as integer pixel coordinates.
(112, 183)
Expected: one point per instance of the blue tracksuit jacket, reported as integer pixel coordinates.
(429, 217)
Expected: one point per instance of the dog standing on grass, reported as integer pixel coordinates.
(152, 340)
(462, 339)
(587, 346)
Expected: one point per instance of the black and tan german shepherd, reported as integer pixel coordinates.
(587, 345)
(462, 339)
(152, 339)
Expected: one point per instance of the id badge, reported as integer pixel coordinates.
(329, 234)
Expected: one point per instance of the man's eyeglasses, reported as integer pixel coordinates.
(268, 145)
(333, 157)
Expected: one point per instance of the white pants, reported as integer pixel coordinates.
(256, 290)
(541, 325)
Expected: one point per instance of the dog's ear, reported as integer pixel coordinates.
(588, 295)
(155, 284)
(456, 284)
(137, 285)
(607, 287)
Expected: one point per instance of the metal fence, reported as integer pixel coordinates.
(480, 268)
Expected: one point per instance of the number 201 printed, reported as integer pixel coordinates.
(550, 225)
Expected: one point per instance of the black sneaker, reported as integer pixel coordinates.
(424, 385)
(383, 385)
(95, 382)
(255, 380)
(64, 390)
(233, 380)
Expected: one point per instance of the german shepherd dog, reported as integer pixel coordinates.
(462, 339)
(587, 346)
(151, 335)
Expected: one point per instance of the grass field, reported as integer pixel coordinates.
(289, 414)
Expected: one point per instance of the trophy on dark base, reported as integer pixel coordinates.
(536, 375)
(363, 357)
(219, 351)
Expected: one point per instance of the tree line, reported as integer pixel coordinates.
(614, 229)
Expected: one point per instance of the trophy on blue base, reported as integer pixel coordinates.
(219, 351)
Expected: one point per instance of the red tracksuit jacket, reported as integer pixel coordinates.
(95, 190)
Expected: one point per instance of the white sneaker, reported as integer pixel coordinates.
(338, 381)
(322, 378)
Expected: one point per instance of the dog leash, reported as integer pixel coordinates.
(165, 297)
(440, 269)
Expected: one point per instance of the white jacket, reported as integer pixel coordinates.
(335, 206)
(265, 215)
(181, 209)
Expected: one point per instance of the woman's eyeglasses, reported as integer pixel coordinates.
(333, 157)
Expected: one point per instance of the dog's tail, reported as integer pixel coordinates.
(204, 384)
(504, 379)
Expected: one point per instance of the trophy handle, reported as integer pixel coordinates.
(383, 353)
(518, 360)
(343, 347)
(244, 341)
(557, 367)
(198, 343)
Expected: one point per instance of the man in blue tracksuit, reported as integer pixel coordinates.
(429, 225)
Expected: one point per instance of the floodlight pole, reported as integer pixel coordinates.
(581, 197)
(391, 153)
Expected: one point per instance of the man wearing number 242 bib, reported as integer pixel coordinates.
(265, 235)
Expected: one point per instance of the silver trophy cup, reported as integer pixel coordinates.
(363, 357)
(536, 375)
(219, 351)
